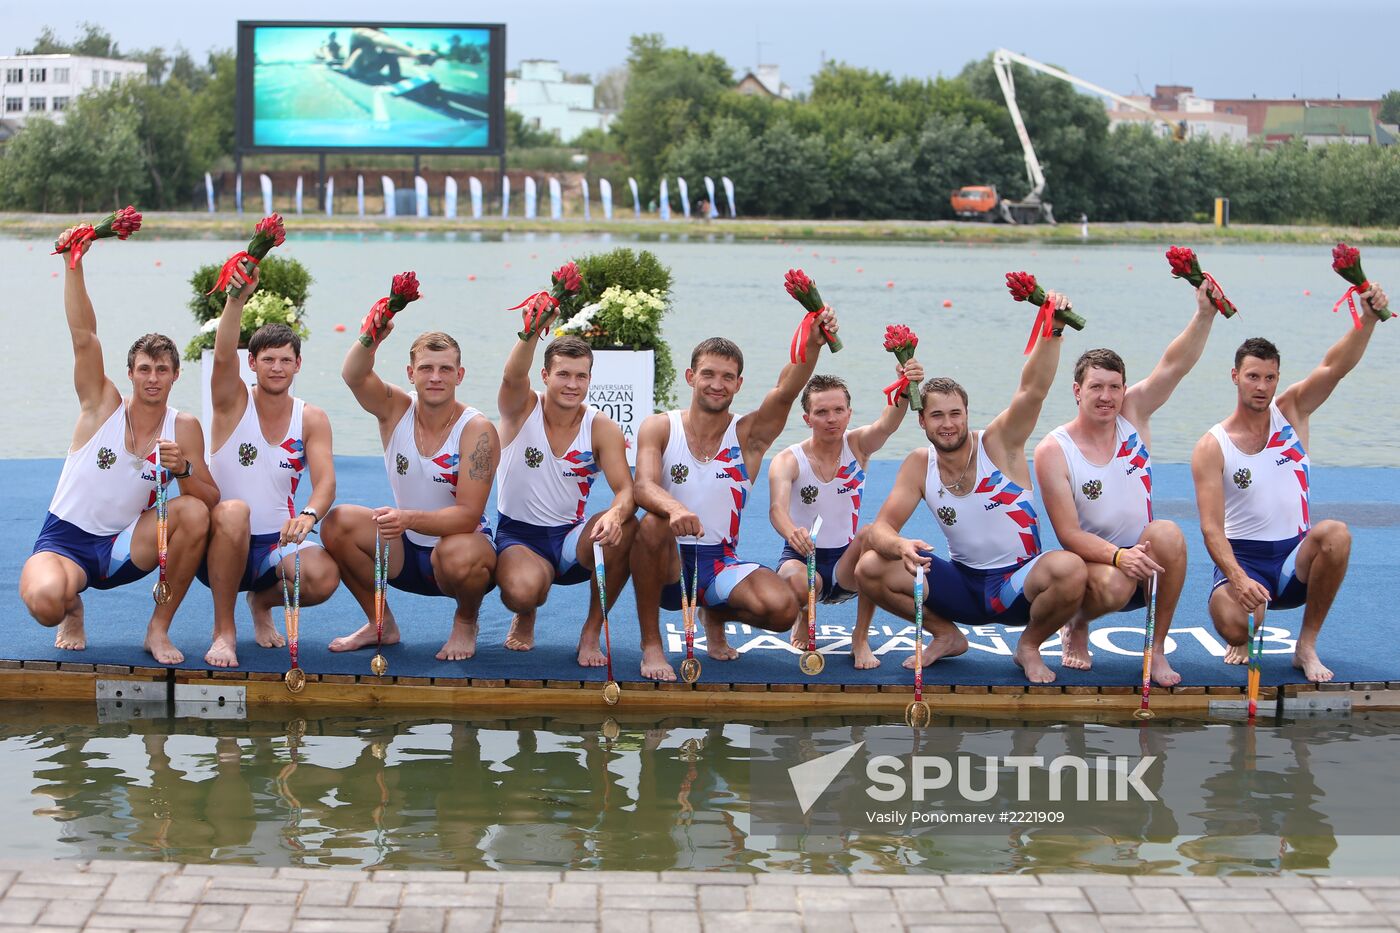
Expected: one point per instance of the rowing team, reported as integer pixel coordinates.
(237, 526)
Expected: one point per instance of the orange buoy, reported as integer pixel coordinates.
(471, 278)
(889, 285)
(1306, 292)
(340, 328)
(947, 302)
(859, 269)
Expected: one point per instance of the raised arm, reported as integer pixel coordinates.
(97, 395)
(515, 398)
(479, 453)
(884, 537)
(187, 452)
(869, 439)
(1008, 432)
(782, 473)
(226, 388)
(1301, 399)
(384, 400)
(1150, 394)
(760, 428)
(1207, 469)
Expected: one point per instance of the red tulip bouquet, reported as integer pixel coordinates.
(1186, 266)
(802, 288)
(269, 232)
(901, 341)
(1023, 287)
(565, 287)
(120, 224)
(1346, 262)
(403, 290)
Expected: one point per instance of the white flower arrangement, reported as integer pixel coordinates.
(615, 305)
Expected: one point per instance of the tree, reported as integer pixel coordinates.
(1390, 107)
(520, 135)
(608, 92)
(95, 41)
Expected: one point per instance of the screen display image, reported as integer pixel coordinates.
(345, 86)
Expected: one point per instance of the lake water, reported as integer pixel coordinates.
(399, 790)
(734, 289)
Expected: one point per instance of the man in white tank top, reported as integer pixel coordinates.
(1095, 479)
(100, 531)
(555, 445)
(263, 443)
(695, 470)
(828, 472)
(439, 542)
(978, 487)
(1252, 489)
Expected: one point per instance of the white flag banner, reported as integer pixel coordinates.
(420, 195)
(505, 196)
(390, 208)
(266, 184)
(729, 194)
(298, 194)
(330, 195)
(531, 198)
(710, 196)
(474, 187)
(636, 198)
(684, 191)
(605, 192)
(556, 199)
(360, 193)
(587, 209)
(449, 197)
(664, 211)
(238, 191)
(209, 190)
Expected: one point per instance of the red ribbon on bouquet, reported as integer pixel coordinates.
(801, 287)
(535, 308)
(120, 224)
(229, 268)
(1023, 287)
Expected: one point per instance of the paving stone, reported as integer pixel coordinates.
(589, 877)
(377, 894)
(1177, 881)
(1346, 901)
(526, 895)
(1025, 921)
(723, 897)
(660, 900)
(20, 911)
(1112, 900)
(573, 894)
(49, 892)
(244, 896)
(1223, 905)
(340, 926)
(250, 883)
(113, 908)
(984, 881)
(420, 920)
(674, 921)
(435, 877)
(470, 919)
(626, 921)
(230, 871)
(915, 904)
(1160, 900)
(845, 899)
(880, 922)
(272, 918)
(1301, 901)
(63, 879)
(328, 893)
(345, 913)
(766, 897)
(724, 921)
(183, 889)
(108, 922)
(1077, 923)
(897, 881)
(338, 875)
(115, 867)
(1342, 921)
(138, 886)
(975, 899)
(216, 917)
(708, 877)
(422, 894)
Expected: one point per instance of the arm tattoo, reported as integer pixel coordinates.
(481, 458)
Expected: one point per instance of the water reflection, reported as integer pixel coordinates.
(407, 791)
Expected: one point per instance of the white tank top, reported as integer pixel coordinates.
(1266, 495)
(1114, 501)
(993, 526)
(264, 475)
(426, 484)
(104, 487)
(536, 487)
(716, 490)
(837, 501)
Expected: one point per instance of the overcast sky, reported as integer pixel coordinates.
(1225, 48)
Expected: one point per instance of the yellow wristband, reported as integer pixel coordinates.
(1116, 553)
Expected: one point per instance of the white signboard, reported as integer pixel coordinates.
(623, 388)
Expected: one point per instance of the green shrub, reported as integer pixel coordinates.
(280, 278)
(626, 271)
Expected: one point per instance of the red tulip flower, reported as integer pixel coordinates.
(120, 224)
(901, 341)
(270, 232)
(1023, 287)
(801, 287)
(403, 290)
(1346, 262)
(1186, 266)
(564, 295)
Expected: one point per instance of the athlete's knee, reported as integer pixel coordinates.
(319, 579)
(779, 605)
(1168, 541)
(870, 569)
(520, 592)
(47, 601)
(337, 526)
(1334, 538)
(189, 516)
(1068, 575)
(654, 531)
(231, 517)
(464, 561)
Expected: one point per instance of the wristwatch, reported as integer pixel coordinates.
(315, 517)
(188, 471)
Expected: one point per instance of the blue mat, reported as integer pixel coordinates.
(1358, 642)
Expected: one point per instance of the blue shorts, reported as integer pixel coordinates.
(831, 592)
(720, 571)
(416, 575)
(260, 569)
(970, 596)
(558, 545)
(105, 559)
(1272, 565)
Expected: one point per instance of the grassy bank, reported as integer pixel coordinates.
(235, 226)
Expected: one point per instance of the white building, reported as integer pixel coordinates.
(48, 84)
(549, 103)
(764, 81)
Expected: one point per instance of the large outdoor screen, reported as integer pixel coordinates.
(379, 87)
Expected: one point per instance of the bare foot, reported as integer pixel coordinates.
(949, 646)
(264, 629)
(1074, 647)
(865, 658)
(521, 636)
(590, 653)
(1029, 660)
(655, 666)
(1305, 659)
(1237, 654)
(1162, 673)
(461, 644)
(223, 652)
(161, 648)
(366, 636)
(716, 645)
(71, 635)
(798, 635)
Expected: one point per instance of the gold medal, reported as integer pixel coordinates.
(917, 715)
(611, 693)
(1143, 714)
(690, 670)
(161, 592)
(379, 665)
(296, 680)
(610, 729)
(812, 663)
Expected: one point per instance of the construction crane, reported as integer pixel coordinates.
(981, 201)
